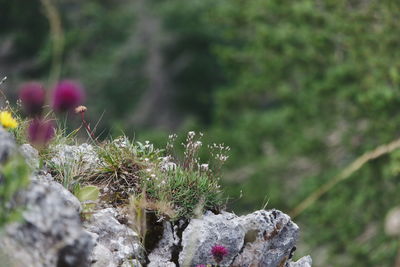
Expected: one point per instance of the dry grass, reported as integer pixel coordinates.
(345, 174)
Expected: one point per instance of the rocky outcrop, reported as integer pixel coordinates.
(115, 243)
(51, 232)
(270, 239)
(263, 238)
(210, 230)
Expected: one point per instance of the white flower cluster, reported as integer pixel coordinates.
(122, 142)
(192, 148)
(219, 152)
(167, 164)
(171, 141)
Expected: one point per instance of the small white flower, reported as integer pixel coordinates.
(204, 167)
(168, 166)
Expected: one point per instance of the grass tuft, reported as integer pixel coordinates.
(130, 171)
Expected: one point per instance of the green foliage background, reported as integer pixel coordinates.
(298, 89)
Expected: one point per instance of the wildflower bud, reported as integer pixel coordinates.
(32, 95)
(40, 132)
(67, 95)
(80, 109)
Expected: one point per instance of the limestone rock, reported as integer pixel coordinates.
(305, 261)
(162, 254)
(83, 156)
(31, 155)
(270, 237)
(7, 145)
(66, 196)
(50, 233)
(119, 239)
(102, 257)
(202, 234)
(263, 238)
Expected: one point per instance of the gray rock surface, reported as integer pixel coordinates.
(66, 196)
(202, 234)
(50, 233)
(31, 155)
(119, 239)
(7, 145)
(162, 254)
(270, 238)
(305, 261)
(263, 238)
(102, 257)
(83, 156)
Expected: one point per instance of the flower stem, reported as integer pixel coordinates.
(87, 127)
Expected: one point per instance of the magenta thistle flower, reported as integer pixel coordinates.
(40, 132)
(32, 95)
(219, 252)
(67, 95)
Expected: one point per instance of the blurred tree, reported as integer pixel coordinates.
(19, 52)
(312, 85)
(195, 71)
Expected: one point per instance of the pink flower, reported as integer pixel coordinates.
(32, 95)
(40, 132)
(219, 252)
(67, 95)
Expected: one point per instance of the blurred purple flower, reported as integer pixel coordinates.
(32, 95)
(219, 252)
(201, 265)
(40, 132)
(67, 95)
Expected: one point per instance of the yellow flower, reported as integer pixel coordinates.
(7, 121)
